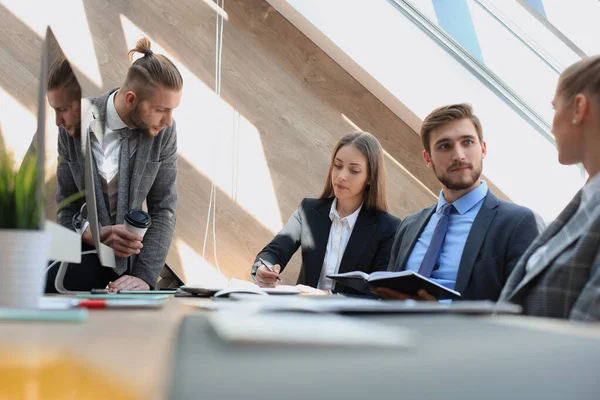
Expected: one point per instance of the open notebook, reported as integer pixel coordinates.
(408, 282)
(238, 286)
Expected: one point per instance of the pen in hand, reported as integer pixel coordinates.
(269, 267)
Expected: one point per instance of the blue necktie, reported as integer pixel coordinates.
(437, 239)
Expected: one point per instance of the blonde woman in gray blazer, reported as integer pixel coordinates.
(559, 274)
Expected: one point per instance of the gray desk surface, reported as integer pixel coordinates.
(453, 357)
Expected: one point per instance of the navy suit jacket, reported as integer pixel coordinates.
(500, 234)
(368, 248)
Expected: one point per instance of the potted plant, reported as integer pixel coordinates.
(23, 241)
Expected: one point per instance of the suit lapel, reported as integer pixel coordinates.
(101, 206)
(561, 241)
(477, 234)
(412, 235)
(94, 118)
(142, 154)
(87, 120)
(518, 273)
(360, 237)
(80, 178)
(320, 226)
(556, 228)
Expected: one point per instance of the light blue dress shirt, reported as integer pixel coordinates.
(461, 220)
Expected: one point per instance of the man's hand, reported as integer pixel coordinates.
(390, 294)
(123, 242)
(266, 278)
(128, 282)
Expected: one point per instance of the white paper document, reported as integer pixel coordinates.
(238, 284)
(302, 329)
(106, 254)
(65, 245)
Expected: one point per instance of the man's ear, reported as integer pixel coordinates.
(483, 150)
(130, 99)
(427, 159)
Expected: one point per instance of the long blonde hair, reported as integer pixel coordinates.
(374, 196)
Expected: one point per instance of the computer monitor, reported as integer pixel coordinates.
(105, 253)
(54, 73)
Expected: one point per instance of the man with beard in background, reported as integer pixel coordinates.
(469, 241)
(134, 147)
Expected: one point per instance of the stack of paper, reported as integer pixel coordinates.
(240, 285)
(302, 329)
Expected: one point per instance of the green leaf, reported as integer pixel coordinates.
(70, 199)
(21, 203)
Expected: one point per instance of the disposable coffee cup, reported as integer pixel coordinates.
(137, 221)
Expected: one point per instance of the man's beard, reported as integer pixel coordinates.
(76, 130)
(136, 120)
(459, 184)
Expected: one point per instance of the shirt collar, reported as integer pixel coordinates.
(590, 189)
(113, 121)
(466, 202)
(351, 219)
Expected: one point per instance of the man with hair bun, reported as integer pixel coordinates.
(134, 146)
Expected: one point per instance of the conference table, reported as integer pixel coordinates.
(173, 353)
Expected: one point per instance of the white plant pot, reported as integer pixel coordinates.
(23, 259)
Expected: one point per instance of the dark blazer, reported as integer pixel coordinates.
(152, 178)
(500, 234)
(368, 248)
(565, 282)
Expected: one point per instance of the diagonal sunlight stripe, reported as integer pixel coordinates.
(350, 122)
(78, 48)
(202, 118)
(408, 173)
(18, 126)
(196, 269)
(35, 17)
(220, 144)
(64, 20)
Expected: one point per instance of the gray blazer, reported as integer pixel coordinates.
(565, 283)
(500, 234)
(152, 178)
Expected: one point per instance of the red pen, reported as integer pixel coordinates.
(119, 303)
(96, 303)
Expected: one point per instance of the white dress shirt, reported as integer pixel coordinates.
(341, 229)
(589, 189)
(106, 151)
